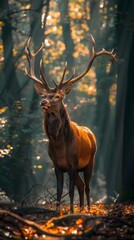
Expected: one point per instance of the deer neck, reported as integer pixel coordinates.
(57, 125)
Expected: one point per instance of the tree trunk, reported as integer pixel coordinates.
(11, 83)
(20, 170)
(104, 117)
(65, 21)
(124, 148)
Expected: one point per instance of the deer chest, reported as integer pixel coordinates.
(61, 156)
(57, 154)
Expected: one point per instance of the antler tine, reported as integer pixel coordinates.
(39, 50)
(27, 49)
(28, 44)
(43, 78)
(72, 75)
(103, 51)
(62, 79)
(31, 61)
(56, 85)
(94, 45)
(64, 83)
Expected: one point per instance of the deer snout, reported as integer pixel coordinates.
(44, 102)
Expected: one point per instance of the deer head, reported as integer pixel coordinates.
(52, 97)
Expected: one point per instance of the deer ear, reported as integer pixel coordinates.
(39, 89)
(67, 89)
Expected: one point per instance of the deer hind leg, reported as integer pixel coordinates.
(80, 186)
(87, 176)
(71, 189)
(59, 177)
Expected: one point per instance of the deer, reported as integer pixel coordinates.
(71, 147)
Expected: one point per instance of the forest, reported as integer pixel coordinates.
(102, 100)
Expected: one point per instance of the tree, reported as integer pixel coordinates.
(102, 26)
(19, 167)
(66, 28)
(124, 149)
(11, 85)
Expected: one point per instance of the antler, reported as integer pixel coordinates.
(63, 84)
(94, 55)
(62, 79)
(43, 78)
(31, 61)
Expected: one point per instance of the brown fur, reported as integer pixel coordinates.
(72, 149)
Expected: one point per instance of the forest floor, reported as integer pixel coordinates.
(105, 221)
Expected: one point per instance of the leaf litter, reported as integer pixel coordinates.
(104, 221)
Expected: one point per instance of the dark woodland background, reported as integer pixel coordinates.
(103, 100)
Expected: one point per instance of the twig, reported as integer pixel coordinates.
(29, 193)
(51, 196)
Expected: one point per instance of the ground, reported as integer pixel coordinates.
(105, 221)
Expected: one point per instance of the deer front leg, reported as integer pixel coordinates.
(59, 178)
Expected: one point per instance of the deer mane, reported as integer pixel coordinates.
(58, 125)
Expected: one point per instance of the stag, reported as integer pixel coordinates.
(71, 147)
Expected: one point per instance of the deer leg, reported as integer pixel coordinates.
(80, 186)
(59, 177)
(72, 175)
(87, 177)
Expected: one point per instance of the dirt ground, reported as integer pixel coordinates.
(104, 221)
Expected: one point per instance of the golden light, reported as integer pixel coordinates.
(39, 167)
(91, 89)
(74, 231)
(101, 5)
(49, 17)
